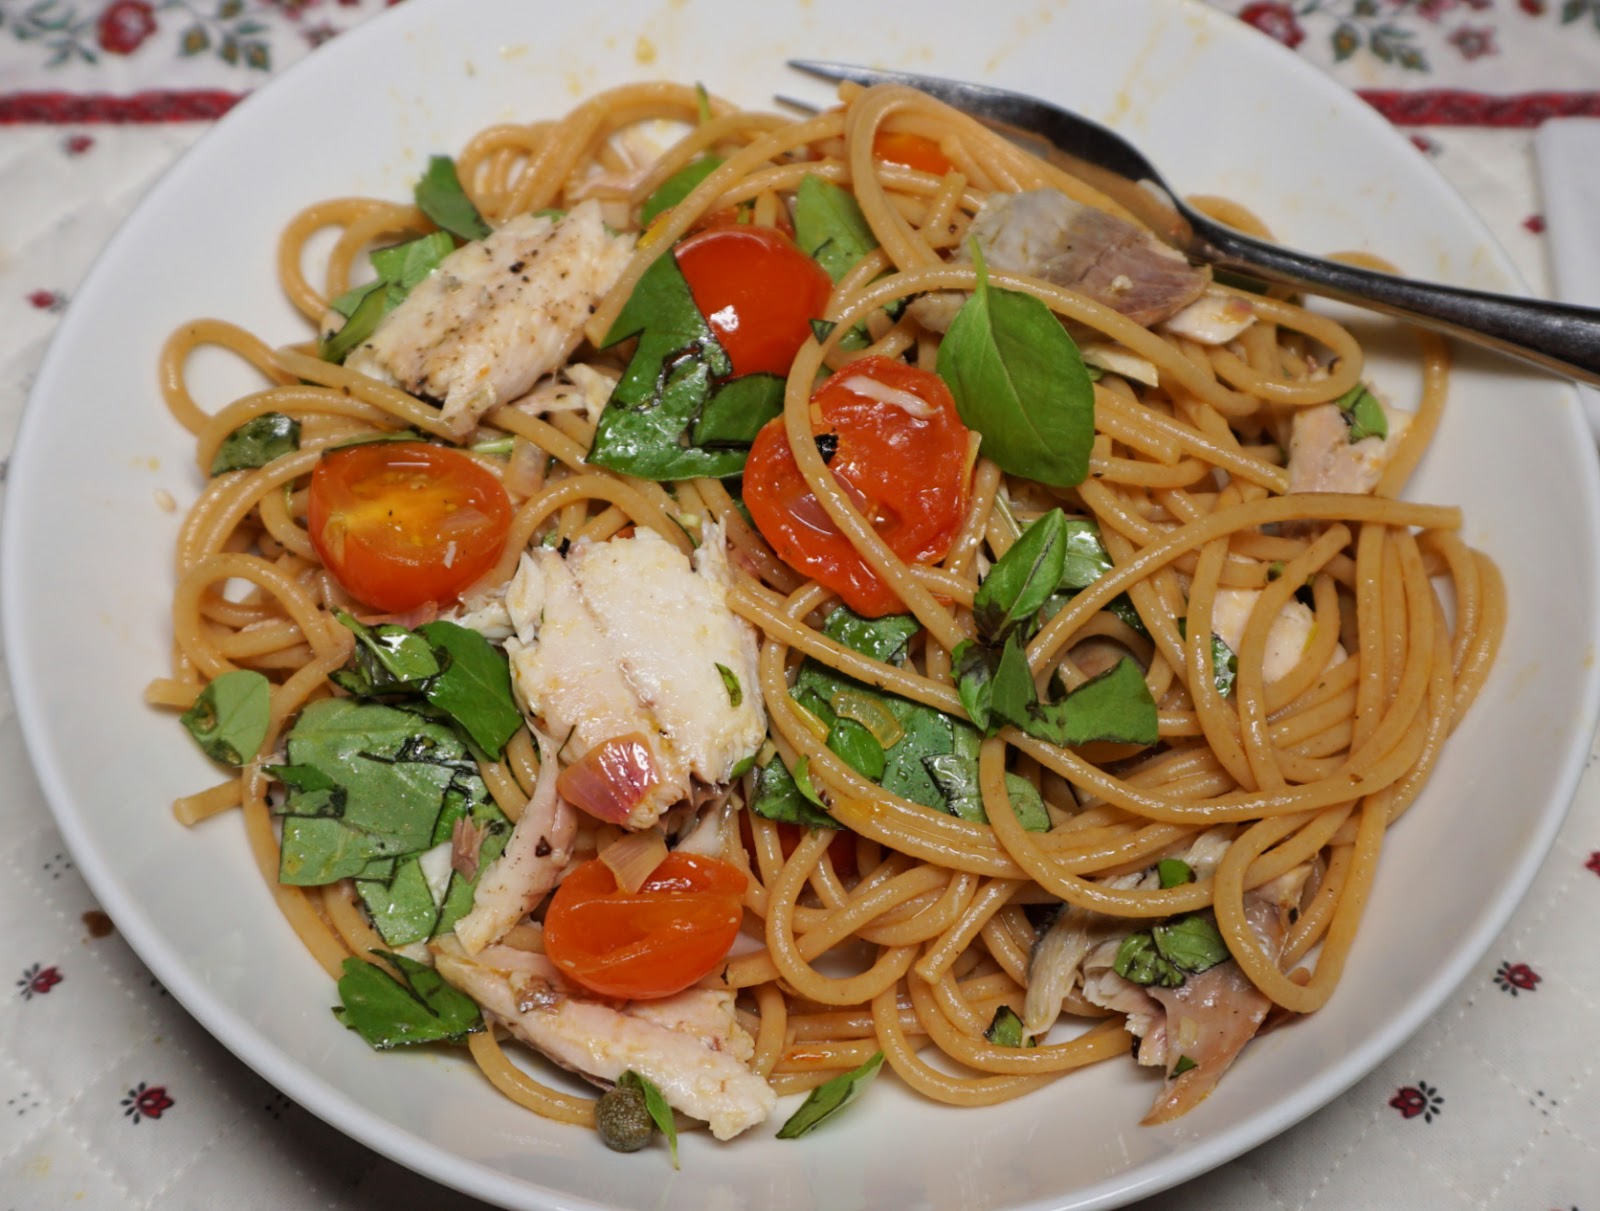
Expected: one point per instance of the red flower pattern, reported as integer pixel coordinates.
(1534, 8)
(1421, 1098)
(125, 25)
(1593, 864)
(1274, 20)
(76, 145)
(38, 980)
(146, 1101)
(1534, 223)
(1474, 41)
(1516, 977)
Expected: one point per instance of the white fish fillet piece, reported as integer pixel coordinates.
(689, 1046)
(1322, 458)
(1215, 318)
(530, 865)
(497, 314)
(625, 636)
(1287, 638)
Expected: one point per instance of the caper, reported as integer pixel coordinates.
(623, 1120)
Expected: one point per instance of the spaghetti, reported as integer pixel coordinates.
(1269, 794)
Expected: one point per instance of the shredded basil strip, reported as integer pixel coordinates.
(656, 1103)
(778, 797)
(1023, 579)
(1019, 380)
(1005, 1030)
(439, 196)
(1174, 872)
(230, 717)
(1166, 954)
(730, 682)
(1183, 1065)
(827, 1099)
(1224, 662)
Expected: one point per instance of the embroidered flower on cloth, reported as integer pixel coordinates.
(1593, 864)
(1274, 20)
(1516, 977)
(39, 980)
(1421, 1098)
(146, 1101)
(124, 26)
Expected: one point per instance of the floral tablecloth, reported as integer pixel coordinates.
(1494, 1103)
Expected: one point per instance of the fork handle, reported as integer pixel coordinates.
(1556, 336)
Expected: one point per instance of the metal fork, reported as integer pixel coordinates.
(1555, 336)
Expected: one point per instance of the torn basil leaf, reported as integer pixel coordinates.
(256, 443)
(405, 656)
(1167, 954)
(829, 1098)
(829, 226)
(361, 323)
(399, 269)
(884, 639)
(645, 427)
(858, 748)
(1022, 579)
(1224, 664)
(439, 196)
(418, 1008)
(1363, 413)
(1116, 707)
(677, 187)
(1005, 1030)
(736, 411)
(1019, 380)
(656, 1103)
(366, 782)
(1174, 872)
(956, 776)
(473, 685)
(778, 797)
(1183, 1065)
(229, 718)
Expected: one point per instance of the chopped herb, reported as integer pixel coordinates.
(821, 330)
(1183, 1065)
(1363, 413)
(418, 1008)
(1174, 872)
(257, 442)
(1019, 380)
(1168, 953)
(399, 269)
(1224, 663)
(656, 1105)
(730, 682)
(1274, 570)
(829, 1098)
(1020, 582)
(677, 187)
(1005, 1030)
(439, 196)
(778, 797)
(230, 717)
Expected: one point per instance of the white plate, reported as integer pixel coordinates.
(87, 559)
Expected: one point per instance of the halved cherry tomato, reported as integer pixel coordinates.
(757, 290)
(910, 151)
(651, 943)
(906, 473)
(400, 524)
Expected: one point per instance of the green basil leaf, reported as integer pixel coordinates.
(1022, 579)
(1115, 706)
(656, 1103)
(361, 324)
(402, 906)
(829, 1098)
(778, 797)
(1224, 664)
(404, 655)
(956, 775)
(1085, 559)
(1363, 413)
(802, 782)
(646, 425)
(858, 748)
(257, 442)
(1174, 872)
(1012, 694)
(390, 1013)
(230, 717)
(1139, 961)
(1027, 804)
(1191, 943)
(473, 685)
(1019, 380)
(439, 196)
(678, 186)
(829, 225)
(347, 303)
(973, 667)
(1005, 1029)
(884, 639)
(730, 682)
(404, 266)
(391, 772)
(1183, 1065)
(737, 410)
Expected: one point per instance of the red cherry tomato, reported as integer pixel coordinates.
(757, 290)
(906, 473)
(400, 524)
(910, 151)
(647, 944)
